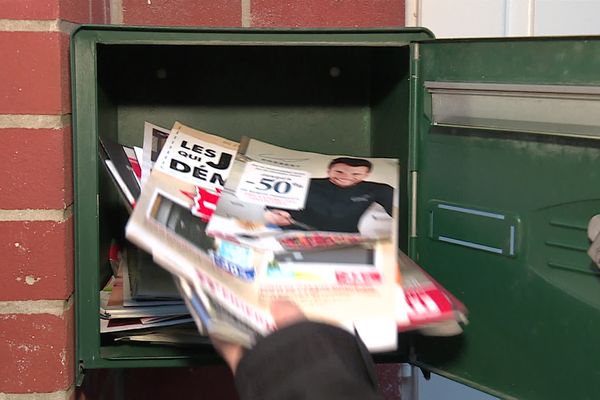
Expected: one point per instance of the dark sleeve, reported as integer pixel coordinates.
(385, 197)
(307, 360)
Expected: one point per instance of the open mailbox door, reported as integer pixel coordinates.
(505, 177)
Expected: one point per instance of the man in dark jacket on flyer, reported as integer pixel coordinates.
(336, 203)
(302, 360)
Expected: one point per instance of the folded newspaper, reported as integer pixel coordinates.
(342, 271)
(289, 219)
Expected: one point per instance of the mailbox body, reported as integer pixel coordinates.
(498, 142)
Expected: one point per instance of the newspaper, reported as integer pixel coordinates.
(355, 281)
(280, 199)
(369, 310)
(113, 304)
(333, 253)
(171, 206)
(430, 308)
(289, 218)
(154, 139)
(212, 319)
(120, 167)
(170, 222)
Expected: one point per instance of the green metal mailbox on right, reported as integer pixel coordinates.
(499, 145)
(506, 175)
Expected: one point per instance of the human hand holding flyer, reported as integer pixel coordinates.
(314, 229)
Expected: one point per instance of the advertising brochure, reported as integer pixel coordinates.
(430, 308)
(178, 335)
(134, 163)
(280, 199)
(338, 262)
(129, 324)
(154, 139)
(214, 320)
(370, 310)
(290, 218)
(114, 306)
(121, 167)
(181, 192)
(170, 223)
(148, 281)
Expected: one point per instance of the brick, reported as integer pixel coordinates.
(37, 352)
(68, 10)
(36, 167)
(225, 13)
(34, 73)
(37, 260)
(74, 10)
(327, 13)
(29, 9)
(210, 382)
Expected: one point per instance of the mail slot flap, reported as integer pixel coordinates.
(541, 109)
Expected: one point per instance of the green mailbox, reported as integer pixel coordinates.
(499, 144)
(506, 152)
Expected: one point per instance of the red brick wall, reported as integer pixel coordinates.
(36, 192)
(265, 13)
(36, 195)
(327, 13)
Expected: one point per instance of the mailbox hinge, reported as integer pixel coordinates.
(413, 204)
(413, 143)
(416, 51)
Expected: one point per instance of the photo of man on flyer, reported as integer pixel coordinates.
(337, 202)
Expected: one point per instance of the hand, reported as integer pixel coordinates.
(278, 217)
(284, 313)
(231, 352)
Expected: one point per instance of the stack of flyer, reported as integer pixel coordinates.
(241, 225)
(128, 314)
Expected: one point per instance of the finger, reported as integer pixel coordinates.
(231, 352)
(287, 218)
(284, 214)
